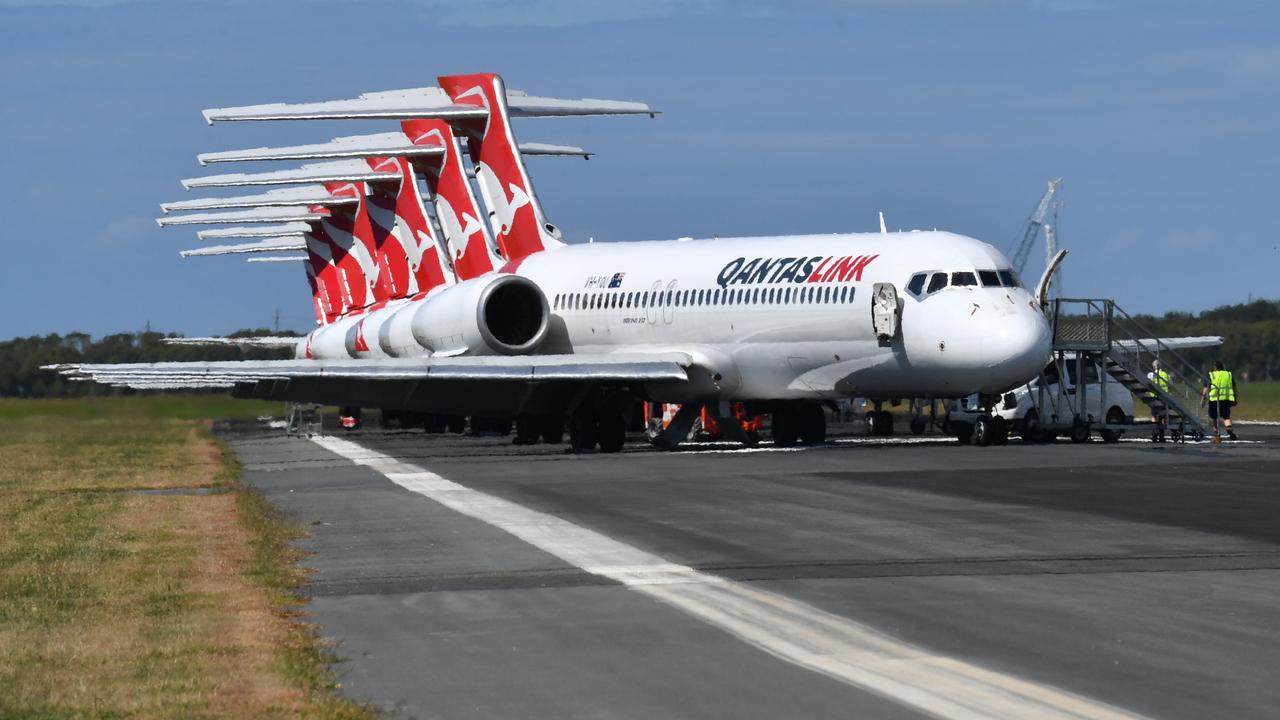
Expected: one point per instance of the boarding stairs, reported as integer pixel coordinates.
(1098, 330)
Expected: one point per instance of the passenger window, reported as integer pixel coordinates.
(989, 278)
(786, 295)
(916, 286)
(937, 282)
(963, 279)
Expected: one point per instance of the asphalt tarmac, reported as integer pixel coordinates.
(467, 578)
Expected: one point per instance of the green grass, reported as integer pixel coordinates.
(167, 406)
(120, 604)
(1258, 401)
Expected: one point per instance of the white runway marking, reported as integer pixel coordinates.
(788, 629)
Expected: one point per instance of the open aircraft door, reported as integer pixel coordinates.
(886, 313)
(1042, 287)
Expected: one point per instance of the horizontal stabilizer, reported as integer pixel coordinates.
(392, 144)
(351, 146)
(255, 215)
(250, 231)
(279, 243)
(351, 170)
(284, 197)
(270, 341)
(430, 102)
(277, 259)
(637, 366)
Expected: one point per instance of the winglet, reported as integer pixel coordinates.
(883, 230)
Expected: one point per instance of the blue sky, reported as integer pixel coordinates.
(778, 118)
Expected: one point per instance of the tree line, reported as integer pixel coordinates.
(21, 358)
(1250, 337)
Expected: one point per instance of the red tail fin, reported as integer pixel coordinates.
(426, 265)
(519, 224)
(322, 274)
(460, 216)
(353, 231)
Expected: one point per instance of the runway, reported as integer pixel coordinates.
(465, 577)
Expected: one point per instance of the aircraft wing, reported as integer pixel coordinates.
(1171, 343)
(428, 102)
(526, 368)
(267, 341)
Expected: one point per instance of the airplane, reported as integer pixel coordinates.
(579, 331)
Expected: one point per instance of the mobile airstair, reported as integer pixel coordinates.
(1096, 333)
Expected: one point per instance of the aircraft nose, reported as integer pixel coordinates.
(1018, 347)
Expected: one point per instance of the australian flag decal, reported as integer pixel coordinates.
(616, 280)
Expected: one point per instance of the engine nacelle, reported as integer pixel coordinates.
(330, 342)
(495, 314)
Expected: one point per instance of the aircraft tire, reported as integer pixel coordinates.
(963, 432)
(917, 426)
(583, 428)
(983, 431)
(612, 432)
(785, 432)
(812, 424)
(527, 430)
(552, 430)
(1000, 430)
(885, 423)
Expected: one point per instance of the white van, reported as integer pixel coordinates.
(1056, 415)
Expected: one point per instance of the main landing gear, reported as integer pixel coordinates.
(599, 420)
(799, 421)
(879, 421)
(532, 428)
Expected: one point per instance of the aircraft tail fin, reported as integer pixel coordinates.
(466, 234)
(519, 224)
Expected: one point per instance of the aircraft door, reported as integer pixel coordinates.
(886, 313)
(668, 303)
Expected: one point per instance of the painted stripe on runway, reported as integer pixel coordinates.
(791, 630)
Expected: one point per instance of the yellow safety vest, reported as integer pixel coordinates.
(1221, 386)
(1161, 379)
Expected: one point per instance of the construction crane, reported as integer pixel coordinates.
(1020, 251)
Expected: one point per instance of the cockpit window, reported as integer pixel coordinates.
(1009, 279)
(989, 278)
(937, 282)
(917, 283)
(963, 279)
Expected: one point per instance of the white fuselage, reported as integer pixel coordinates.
(791, 317)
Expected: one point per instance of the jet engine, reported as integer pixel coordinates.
(489, 315)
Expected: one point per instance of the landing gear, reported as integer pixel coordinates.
(786, 431)
(880, 422)
(799, 421)
(600, 419)
(918, 425)
(989, 430)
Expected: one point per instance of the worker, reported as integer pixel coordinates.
(1160, 379)
(1221, 394)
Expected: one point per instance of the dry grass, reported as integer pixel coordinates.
(120, 604)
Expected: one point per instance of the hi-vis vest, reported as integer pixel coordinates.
(1161, 379)
(1221, 386)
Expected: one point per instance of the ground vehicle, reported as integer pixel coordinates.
(1046, 407)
